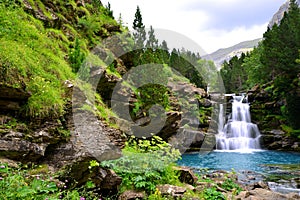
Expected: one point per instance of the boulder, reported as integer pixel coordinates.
(264, 194)
(171, 190)
(131, 195)
(186, 175)
(242, 195)
(21, 150)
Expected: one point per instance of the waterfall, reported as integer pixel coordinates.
(238, 133)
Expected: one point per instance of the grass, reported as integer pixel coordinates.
(35, 57)
(29, 57)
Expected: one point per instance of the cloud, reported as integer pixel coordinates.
(213, 24)
(213, 39)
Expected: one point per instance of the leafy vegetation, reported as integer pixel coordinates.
(38, 61)
(145, 164)
(37, 182)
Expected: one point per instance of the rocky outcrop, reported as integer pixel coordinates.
(53, 15)
(263, 194)
(11, 99)
(279, 140)
(266, 112)
(277, 17)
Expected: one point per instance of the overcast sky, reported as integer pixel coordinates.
(212, 24)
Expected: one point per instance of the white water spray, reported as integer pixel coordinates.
(238, 133)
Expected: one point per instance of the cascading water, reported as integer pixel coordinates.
(238, 133)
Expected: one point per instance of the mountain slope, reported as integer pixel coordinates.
(221, 55)
(279, 14)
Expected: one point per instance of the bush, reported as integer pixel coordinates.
(145, 164)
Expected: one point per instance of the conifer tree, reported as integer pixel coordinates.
(139, 28)
(152, 42)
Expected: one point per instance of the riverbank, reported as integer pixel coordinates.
(273, 171)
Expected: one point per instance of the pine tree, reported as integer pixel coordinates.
(164, 45)
(139, 28)
(152, 42)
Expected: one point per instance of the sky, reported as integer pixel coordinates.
(211, 24)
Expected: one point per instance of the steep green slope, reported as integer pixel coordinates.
(37, 39)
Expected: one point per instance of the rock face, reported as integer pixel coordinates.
(221, 55)
(12, 98)
(277, 17)
(266, 113)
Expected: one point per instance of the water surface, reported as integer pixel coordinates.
(239, 161)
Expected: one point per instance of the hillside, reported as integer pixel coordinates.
(277, 17)
(61, 63)
(221, 55)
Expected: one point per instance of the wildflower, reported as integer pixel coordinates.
(66, 181)
(82, 198)
(1, 178)
(2, 167)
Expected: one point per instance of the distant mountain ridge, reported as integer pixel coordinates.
(279, 14)
(223, 54)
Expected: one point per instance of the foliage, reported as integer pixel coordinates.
(76, 56)
(139, 27)
(36, 182)
(230, 185)
(233, 74)
(274, 61)
(15, 184)
(145, 164)
(33, 60)
(213, 194)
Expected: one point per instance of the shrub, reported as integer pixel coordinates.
(146, 163)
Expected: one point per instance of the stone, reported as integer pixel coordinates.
(189, 187)
(131, 195)
(264, 194)
(261, 184)
(242, 195)
(186, 175)
(202, 186)
(112, 28)
(9, 162)
(21, 150)
(293, 196)
(11, 99)
(111, 181)
(172, 190)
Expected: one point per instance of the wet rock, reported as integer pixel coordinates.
(131, 195)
